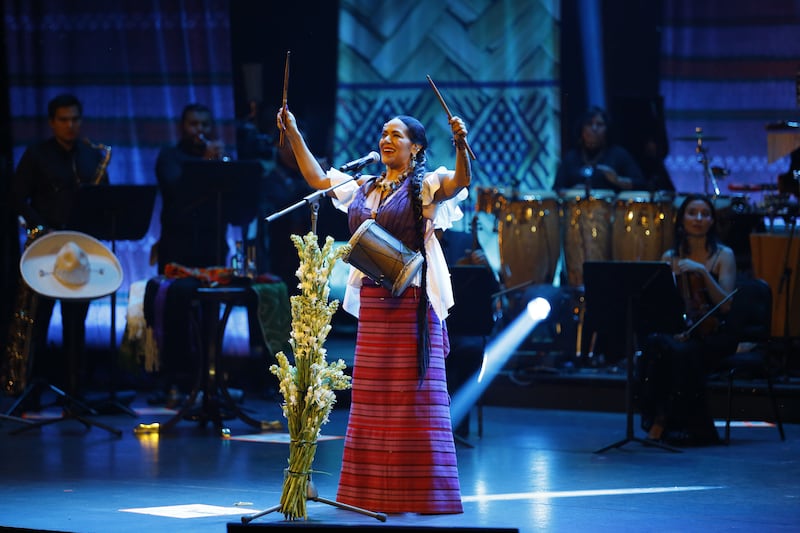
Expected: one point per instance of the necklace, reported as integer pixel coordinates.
(386, 188)
(389, 186)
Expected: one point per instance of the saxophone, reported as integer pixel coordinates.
(14, 370)
(100, 172)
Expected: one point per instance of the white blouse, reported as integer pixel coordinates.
(440, 289)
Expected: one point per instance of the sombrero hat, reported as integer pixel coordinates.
(69, 265)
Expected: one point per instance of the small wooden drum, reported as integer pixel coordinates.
(383, 257)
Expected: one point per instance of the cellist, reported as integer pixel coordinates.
(673, 368)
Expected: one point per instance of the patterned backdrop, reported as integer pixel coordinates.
(728, 67)
(496, 65)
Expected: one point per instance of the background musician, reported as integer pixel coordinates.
(184, 233)
(187, 238)
(673, 370)
(596, 162)
(43, 189)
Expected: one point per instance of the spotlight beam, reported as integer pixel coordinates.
(495, 357)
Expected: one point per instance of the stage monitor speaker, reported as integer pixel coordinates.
(284, 527)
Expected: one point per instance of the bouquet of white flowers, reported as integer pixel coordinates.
(307, 386)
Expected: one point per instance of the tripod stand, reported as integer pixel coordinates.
(72, 409)
(644, 293)
(785, 288)
(12, 418)
(313, 495)
(112, 213)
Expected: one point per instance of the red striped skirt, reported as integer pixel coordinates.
(399, 454)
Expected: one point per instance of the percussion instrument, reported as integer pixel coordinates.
(383, 257)
(587, 225)
(728, 207)
(643, 225)
(490, 200)
(529, 238)
(773, 253)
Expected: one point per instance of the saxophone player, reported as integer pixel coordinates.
(43, 189)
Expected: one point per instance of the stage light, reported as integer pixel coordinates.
(495, 356)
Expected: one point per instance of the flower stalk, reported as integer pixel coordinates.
(308, 385)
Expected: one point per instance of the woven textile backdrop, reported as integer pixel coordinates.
(134, 64)
(495, 63)
(728, 67)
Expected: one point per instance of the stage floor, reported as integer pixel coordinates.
(531, 470)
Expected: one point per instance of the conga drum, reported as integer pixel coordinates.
(490, 200)
(643, 225)
(586, 220)
(528, 237)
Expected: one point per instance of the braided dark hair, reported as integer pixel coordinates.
(417, 135)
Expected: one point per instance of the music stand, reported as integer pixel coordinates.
(114, 213)
(644, 294)
(228, 189)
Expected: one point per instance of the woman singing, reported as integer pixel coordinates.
(399, 454)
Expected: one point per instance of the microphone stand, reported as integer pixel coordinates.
(708, 175)
(784, 287)
(312, 200)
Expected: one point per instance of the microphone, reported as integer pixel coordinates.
(358, 164)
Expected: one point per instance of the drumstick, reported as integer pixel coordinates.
(447, 110)
(285, 95)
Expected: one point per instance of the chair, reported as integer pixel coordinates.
(751, 315)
